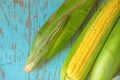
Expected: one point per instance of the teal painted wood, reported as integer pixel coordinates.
(19, 22)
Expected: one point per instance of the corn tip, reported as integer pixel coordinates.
(27, 69)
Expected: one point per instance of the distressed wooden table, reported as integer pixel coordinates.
(19, 22)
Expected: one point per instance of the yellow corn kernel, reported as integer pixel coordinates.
(91, 39)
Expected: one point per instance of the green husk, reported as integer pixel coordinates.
(58, 30)
(95, 52)
(108, 62)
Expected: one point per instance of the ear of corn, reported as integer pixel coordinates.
(90, 42)
(58, 30)
(76, 17)
(108, 62)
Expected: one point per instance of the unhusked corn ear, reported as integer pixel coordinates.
(108, 61)
(90, 42)
(57, 31)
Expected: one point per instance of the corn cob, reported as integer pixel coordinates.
(90, 42)
(58, 30)
(108, 62)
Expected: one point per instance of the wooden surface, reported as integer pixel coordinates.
(19, 21)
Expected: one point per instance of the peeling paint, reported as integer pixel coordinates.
(28, 76)
(27, 23)
(0, 31)
(16, 29)
(45, 5)
(44, 73)
(27, 37)
(55, 71)
(45, 16)
(37, 74)
(19, 58)
(1, 46)
(7, 20)
(49, 75)
(6, 56)
(14, 49)
(20, 2)
(2, 74)
(36, 16)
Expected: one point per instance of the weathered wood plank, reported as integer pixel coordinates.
(14, 43)
(19, 21)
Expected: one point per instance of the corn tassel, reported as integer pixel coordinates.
(108, 62)
(58, 30)
(90, 42)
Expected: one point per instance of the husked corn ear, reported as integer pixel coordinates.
(91, 41)
(108, 61)
(57, 31)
